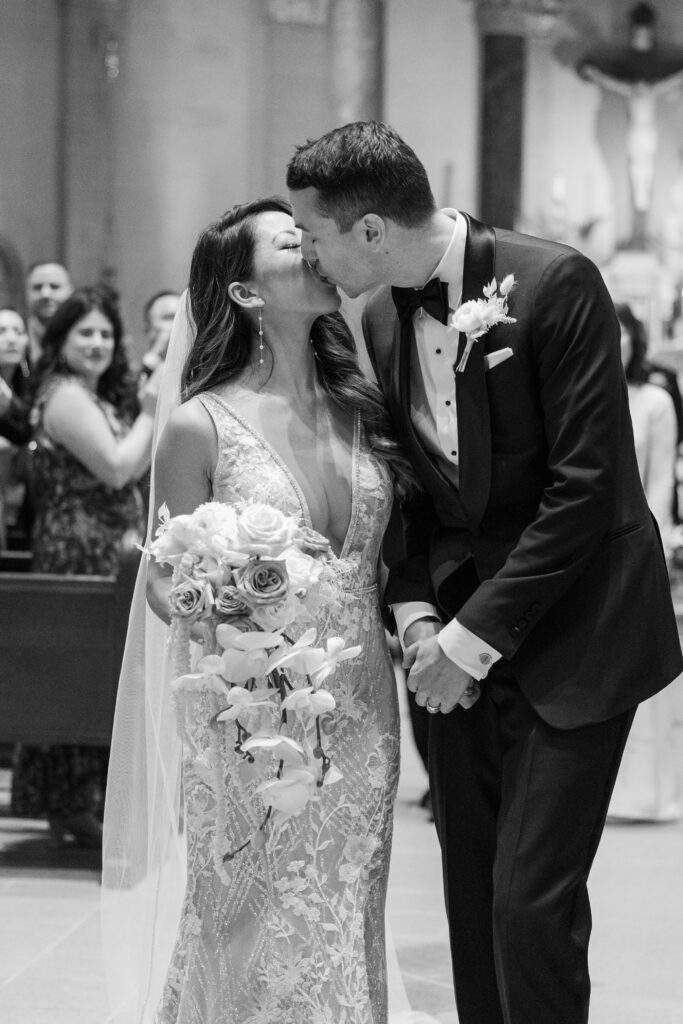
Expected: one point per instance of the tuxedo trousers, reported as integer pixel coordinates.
(519, 808)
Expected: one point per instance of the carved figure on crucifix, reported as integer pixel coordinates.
(644, 73)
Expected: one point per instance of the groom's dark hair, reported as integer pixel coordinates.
(363, 167)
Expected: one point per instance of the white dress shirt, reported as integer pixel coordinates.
(434, 415)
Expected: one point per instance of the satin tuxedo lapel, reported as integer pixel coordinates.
(472, 404)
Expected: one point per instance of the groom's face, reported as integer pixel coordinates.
(339, 258)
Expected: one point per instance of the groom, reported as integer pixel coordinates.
(532, 566)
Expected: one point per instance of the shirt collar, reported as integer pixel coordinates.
(450, 268)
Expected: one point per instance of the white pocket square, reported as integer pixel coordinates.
(494, 358)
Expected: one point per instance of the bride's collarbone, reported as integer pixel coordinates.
(313, 425)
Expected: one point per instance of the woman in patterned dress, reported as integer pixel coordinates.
(92, 443)
(14, 428)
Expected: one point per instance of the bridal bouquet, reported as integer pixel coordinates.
(249, 574)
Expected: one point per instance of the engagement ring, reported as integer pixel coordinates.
(431, 709)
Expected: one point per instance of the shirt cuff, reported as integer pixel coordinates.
(467, 650)
(407, 612)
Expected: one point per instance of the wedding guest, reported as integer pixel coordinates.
(648, 786)
(48, 283)
(91, 447)
(158, 314)
(661, 374)
(14, 424)
(15, 402)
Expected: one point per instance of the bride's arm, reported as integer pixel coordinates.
(183, 470)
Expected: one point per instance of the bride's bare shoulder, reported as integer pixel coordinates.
(189, 427)
(192, 416)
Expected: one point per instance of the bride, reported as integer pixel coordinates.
(270, 407)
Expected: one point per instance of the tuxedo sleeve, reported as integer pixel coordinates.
(575, 353)
(409, 578)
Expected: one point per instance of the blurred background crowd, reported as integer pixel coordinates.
(563, 119)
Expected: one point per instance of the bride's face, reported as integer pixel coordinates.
(282, 278)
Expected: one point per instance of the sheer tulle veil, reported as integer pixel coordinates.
(143, 869)
(143, 875)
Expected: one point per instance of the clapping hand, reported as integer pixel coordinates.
(148, 391)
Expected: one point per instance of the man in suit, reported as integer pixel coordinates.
(534, 577)
(48, 284)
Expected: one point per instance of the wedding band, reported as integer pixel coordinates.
(431, 709)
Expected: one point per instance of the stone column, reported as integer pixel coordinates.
(88, 70)
(356, 54)
(504, 27)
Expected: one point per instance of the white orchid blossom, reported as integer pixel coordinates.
(336, 652)
(283, 748)
(230, 637)
(243, 701)
(309, 701)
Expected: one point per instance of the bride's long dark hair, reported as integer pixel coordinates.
(224, 340)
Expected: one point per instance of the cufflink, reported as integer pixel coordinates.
(485, 659)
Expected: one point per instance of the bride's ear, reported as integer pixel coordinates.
(242, 295)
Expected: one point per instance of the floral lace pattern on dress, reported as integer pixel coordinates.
(292, 933)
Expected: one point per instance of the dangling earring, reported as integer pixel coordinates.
(260, 336)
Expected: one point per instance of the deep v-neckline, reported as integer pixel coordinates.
(291, 477)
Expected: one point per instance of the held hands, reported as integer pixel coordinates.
(437, 682)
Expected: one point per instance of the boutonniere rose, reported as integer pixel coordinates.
(478, 316)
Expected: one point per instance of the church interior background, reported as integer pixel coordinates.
(127, 125)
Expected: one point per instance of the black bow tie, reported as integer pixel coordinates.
(433, 298)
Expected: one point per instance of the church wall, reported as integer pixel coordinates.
(431, 92)
(28, 126)
(214, 97)
(189, 100)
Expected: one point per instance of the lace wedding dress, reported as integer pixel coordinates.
(292, 933)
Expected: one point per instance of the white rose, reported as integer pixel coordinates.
(214, 527)
(469, 318)
(302, 570)
(265, 530)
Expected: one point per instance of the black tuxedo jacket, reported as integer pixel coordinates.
(547, 548)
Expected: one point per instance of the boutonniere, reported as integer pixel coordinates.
(477, 316)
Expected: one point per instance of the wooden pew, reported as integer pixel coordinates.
(61, 644)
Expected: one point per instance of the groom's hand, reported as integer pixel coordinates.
(434, 678)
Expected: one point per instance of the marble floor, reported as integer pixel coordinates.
(50, 957)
